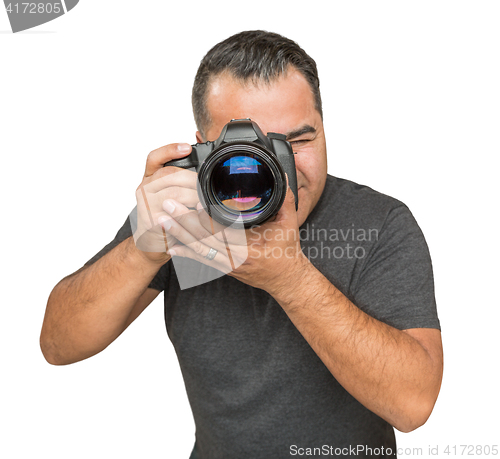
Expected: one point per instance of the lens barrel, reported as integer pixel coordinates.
(242, 184)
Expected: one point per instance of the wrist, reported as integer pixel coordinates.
(295, 279)
(146, 260)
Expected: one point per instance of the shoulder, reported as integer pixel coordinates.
(349, 192)
(346, 202)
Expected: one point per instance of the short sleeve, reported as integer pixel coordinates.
(158, 282)
(396, 284)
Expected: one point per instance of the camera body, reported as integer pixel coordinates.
(241, 175)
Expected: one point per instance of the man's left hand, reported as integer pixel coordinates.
(263, 256)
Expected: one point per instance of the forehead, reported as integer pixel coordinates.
(281, 105)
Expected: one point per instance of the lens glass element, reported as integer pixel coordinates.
(242, 183)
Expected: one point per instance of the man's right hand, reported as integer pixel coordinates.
(89, 309)
(159, 184)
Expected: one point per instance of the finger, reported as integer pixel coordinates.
(219, 262)
(200, 239)
(287, 212)
(209, 223)
(186, 228)
(188, 219)
(151, 207)
(152, 238)
(179, 186)
(187, 197)
(226, 234)
(157, 158)
(234, 239)
(201, 248)
(171, 176)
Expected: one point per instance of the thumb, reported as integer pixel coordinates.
(287, 210)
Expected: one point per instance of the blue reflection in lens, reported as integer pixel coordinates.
(242, 183)
(242, 165)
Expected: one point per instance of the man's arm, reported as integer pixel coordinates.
(396, 374)
(89, 309)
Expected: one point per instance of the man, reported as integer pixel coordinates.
(320, 350)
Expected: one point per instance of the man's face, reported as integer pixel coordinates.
(285, 106)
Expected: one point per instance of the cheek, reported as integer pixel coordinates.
(310, 166)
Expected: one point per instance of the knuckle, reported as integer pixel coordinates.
(170, 227)
(198, 247)
(202, 234)
(174, 192)
(202, 237)
(173, 231)
(150, 156)
(181, 216)
(167, 170)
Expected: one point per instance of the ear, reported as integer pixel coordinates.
(199, 137)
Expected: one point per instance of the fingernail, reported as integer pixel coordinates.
(183, 147)
(169, 206)
(172, 252)
(165, 222)
(199, 207)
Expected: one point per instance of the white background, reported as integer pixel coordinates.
(411, 102)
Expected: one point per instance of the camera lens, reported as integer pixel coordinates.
(242, 183)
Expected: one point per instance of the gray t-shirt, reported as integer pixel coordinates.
(256, 388)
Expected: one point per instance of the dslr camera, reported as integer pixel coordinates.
(241, 176)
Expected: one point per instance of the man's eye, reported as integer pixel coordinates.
(297, 143)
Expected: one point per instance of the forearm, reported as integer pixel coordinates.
(89, 309)
(385, 369)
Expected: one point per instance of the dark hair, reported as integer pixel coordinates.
(253, 55)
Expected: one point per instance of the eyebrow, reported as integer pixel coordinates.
(306, 129)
